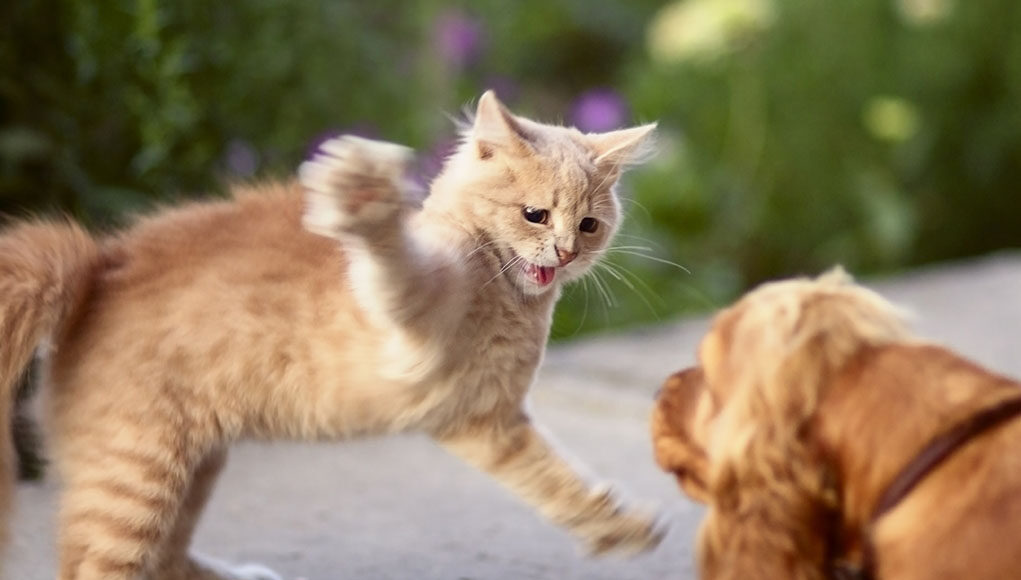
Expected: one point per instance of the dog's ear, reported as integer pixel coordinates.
(769, 504)
(763, 537)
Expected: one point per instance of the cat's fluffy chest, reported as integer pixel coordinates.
(500, 334)
(503, 338)
(487, 362)
(492, 352)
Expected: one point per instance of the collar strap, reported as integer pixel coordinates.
(941, 447)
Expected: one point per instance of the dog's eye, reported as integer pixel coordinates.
(589, 225)
(534, 215)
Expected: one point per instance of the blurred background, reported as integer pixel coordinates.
(796, 134)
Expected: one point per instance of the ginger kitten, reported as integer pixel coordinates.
(319, 310)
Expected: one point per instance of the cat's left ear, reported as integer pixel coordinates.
(616, 150)
(496, 129)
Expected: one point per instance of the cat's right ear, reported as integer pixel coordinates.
(617, 149)
(496, 130)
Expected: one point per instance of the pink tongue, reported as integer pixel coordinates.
(544, 274)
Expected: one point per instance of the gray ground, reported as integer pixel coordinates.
(399, 508)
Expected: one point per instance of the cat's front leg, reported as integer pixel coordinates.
(354, 186)
(524, 461)
(355, 192)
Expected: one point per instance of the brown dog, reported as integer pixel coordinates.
(828, 443)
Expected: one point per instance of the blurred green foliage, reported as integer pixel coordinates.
(795, 133)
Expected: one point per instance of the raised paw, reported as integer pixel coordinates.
(613, 529)
(353, 185)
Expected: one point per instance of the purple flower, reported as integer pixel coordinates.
(599, 110)
(241, 158)
(458, 38)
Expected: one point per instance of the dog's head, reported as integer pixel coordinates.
(736, 428)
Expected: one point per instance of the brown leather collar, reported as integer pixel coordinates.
(941, 447)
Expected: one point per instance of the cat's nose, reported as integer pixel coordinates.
(566, 257)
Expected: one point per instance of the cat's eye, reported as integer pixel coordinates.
(589, 225)
(536, 216)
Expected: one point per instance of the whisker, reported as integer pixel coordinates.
(622, 273)
(632, 202)
(609, 268)
(514, 261)
(640, 248)
(613, 272)
(613, 173)
(604, 291)
(506, 267)
(480, 248)
(584, 311)
(636, 237)
(655, 259)
(642, 283)
(606, 177)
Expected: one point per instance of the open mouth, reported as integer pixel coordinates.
(541, 275)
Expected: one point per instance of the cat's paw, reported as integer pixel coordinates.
(615, 529)
(353, 185)
(224, 571)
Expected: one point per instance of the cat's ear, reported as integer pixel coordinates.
(496, 129)
(616, 150)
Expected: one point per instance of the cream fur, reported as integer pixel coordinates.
(223, 320)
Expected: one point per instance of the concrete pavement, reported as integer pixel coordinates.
(400, 508)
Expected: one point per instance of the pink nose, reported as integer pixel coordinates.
(566, 257)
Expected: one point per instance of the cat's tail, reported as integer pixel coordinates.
(46, 270)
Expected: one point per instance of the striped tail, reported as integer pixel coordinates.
(46, 269)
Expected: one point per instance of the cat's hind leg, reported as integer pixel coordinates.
(175, 562)
(130, 507)
(123, 490)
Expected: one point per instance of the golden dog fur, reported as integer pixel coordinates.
(808, 399)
